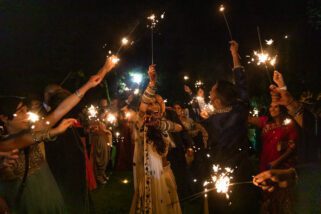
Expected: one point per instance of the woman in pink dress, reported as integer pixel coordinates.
(278, 145)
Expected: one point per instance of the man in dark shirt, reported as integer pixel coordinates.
(228, 142)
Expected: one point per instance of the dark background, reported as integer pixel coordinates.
(42, 41)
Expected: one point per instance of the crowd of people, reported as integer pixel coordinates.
(52, 164)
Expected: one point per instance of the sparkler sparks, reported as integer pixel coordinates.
(186, 78)
(222, 8)
(287, 121)
(111, 118)
(269, 42)
(220, 179)
(124, 41)
(198, 83)
(33, 117)
(92, 111)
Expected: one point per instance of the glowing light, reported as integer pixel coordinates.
(117, 134)
(47, 123)
(115, 60)
(33, 127)
(198, 83)
(222, 8)
(255, 112)
(92, 112)
(186, 78)
(269, 42)
(153, 21)
(124, 41)
(14, 115)
(165, 101)
(273, 60)
(208, 155)
(125, 181)
(261, 57)
(220, 179)
(127, 115)
(33, 117)
(194, 180)
(136, 78)
(136, 91)
(163, 15)
(111, 118)
(287, 121)
(286, 36)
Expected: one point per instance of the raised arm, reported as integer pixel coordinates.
(72, 100)
(239, 73)
(149, 93)
(283, 97)
(27, 138)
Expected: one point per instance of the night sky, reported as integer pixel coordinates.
(42, 41)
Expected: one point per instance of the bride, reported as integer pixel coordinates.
(155, 186)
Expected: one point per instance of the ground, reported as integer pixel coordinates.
(115, 196)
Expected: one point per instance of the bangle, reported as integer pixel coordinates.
(283, 88)
(77, 93)
(50, 138)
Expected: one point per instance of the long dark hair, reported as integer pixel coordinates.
(9, 104)
(156, 136)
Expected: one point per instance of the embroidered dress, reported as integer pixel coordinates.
(40, 194)
(155, 186)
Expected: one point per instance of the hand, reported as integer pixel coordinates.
(204, 115)
(279, 96)
(270, 179)
(234, 47)
(278, 79)
(10, 158)
(187, 89)
(152, 73)
(63, 126)
(111, 62)
(94, 80)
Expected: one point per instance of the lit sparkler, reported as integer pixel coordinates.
(222, 9)
(111, 118)
(33, 117)
(186, 78)
(92, 111)
(124, 41)
(269, 42)
(287, 121)
(153, 22)
(198, 83)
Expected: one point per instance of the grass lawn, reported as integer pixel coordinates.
(115, 196)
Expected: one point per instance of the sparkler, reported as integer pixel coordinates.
(222, 9)
(186, 78)
(287, 121)
(111, 118)
(125, 181)
(269, 42)
(263, 57)
(153, 22)
(198, 83)
(92, 112)
(33, 117)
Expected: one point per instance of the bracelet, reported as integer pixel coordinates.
(283, 88)
(50, 138)
(77, 93)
